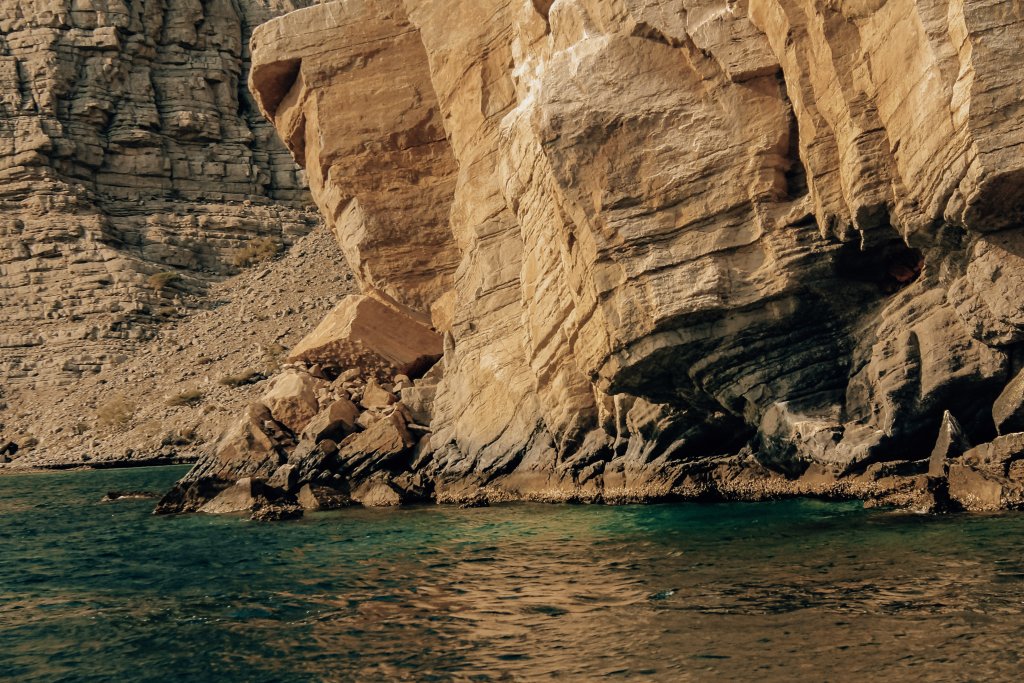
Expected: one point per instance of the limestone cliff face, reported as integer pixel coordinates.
(678, 244)
(129, 146)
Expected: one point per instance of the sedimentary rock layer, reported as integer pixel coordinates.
(129, 148)
(675, 240)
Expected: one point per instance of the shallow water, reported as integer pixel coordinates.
(795, 590)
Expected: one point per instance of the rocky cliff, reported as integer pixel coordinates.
(668, 248)
(135, 170)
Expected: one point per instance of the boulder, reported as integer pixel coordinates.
(333, 423)
(1008, 409)
(285, 477)
(313, 461)
(381, 446)
(243, 496)
(275, 512)
(419, 400)
(377, 494)
(989, 477)
(191, 494)
(292, 399)
(365, 333)
(127, 495)
(317, 497)
(245, 448)
(376, 396)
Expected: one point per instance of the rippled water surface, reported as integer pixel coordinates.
(796, 590)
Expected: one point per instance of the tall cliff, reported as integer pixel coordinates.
(129, 148)
(673, 247)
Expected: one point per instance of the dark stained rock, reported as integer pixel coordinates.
(285, 477)
(275, 512)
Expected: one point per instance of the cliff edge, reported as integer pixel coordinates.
(679, 248)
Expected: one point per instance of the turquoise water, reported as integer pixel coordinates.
(796, 590)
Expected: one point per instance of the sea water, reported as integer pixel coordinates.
(792, 590)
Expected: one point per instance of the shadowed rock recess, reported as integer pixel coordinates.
(662, 249)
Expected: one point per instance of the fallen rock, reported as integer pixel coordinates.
(365, 333)
(989, 477)
(376, 396)
(285, 477)
(191, 494)
(245, 449)
(317, 497)
(244, 496)
(419, 400)
(381, 446)
(333, 423)
(377, 494)
(275, 512)
(292, 399)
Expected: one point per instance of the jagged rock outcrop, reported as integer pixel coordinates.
(134, 170)
(680, 247)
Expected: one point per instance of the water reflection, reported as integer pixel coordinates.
(774, 592)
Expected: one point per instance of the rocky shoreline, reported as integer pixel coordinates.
(313, 443)
(614, 251)
(605, 251)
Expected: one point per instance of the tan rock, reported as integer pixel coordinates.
(363, 332)
(383, 444)
(244, 448)
(129, 149)
(674, 248)
(391, 223)
(988, 477)
(377, 494)
(315, 497)
(242, 497)
(292, 400)
(333, 423)
(375, 396)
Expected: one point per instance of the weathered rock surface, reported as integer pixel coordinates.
(1008, 409)
(677, 248)
(292, 400)
(365, 333)
(135, 171)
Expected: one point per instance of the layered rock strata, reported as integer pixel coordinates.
(134, 170)
(675, 248)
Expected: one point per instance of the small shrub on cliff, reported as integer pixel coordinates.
(258, 250)
(159, 281)
(186, 398)
(273, 353)
(241, 378)
(116, 412)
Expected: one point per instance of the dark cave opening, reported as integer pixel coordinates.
(890, 266)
